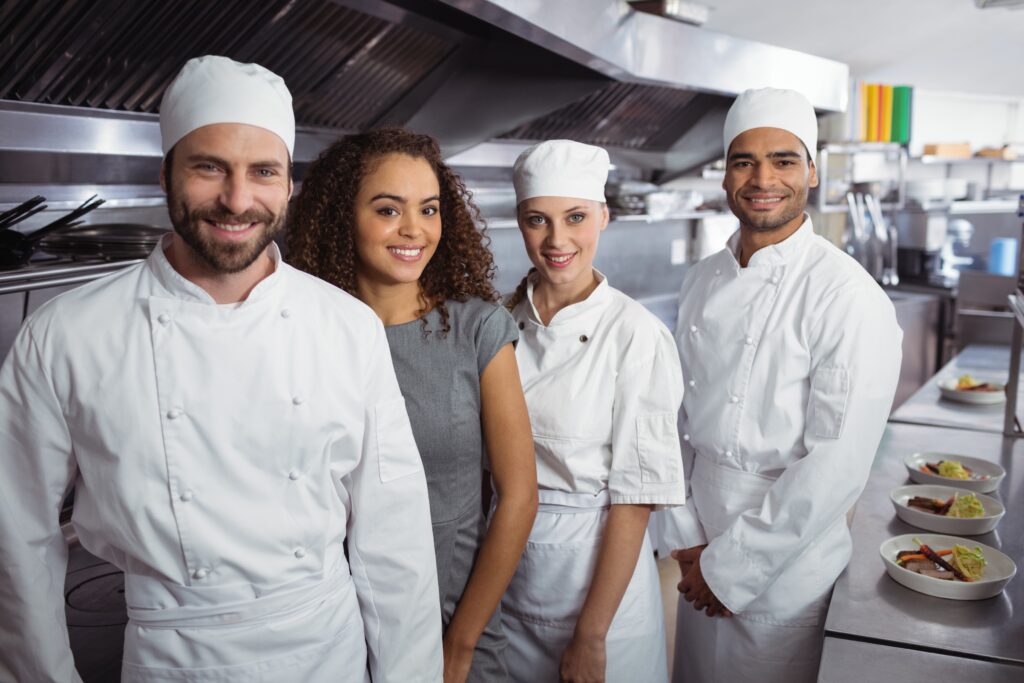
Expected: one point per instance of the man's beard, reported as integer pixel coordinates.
(793, 207)
(219, 255)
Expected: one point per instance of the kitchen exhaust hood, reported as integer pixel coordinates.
(81, 80)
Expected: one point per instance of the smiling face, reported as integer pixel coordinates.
(227, 188)
(767, 179)
(398, 220)
(561, 235)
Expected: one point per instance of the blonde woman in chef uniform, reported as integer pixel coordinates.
(791, 353)
(603, 384)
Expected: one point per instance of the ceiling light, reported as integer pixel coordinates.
(992, 4)
(681, 10)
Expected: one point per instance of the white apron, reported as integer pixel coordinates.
(544, 599)
(161, 642)
(778, 638)
(791, 364)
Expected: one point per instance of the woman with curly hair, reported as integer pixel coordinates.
(381, 216)
(603, 384)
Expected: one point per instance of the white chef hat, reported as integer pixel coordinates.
(561, 168)
(213, 89)
(772, 108)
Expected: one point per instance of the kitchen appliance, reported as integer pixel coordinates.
(922, 233)
(16, 248)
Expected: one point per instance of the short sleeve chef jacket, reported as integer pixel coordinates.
(603, 386)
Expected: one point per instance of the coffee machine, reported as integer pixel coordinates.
(922, 230)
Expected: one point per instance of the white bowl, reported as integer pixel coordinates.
(994, 511)
(998, 571)
(947, 387)
(995, 472)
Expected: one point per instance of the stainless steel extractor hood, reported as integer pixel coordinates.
(81, 80)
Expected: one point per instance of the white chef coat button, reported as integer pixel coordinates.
(775, 279)
(728, 454)
(285, 313)
(686, 437)
(294, 475)
(200, 573)
(692, 383)
(300, 553)
(186, 495)
(718, 271)
(163, 318)
(522, 326)
(583, 338)
(734, 399)
(297, 400)
(174, 413)
(748, 341)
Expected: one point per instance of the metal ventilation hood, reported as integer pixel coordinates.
(81, 80)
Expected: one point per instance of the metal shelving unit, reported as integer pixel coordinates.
(1011, 425)
(896, 150)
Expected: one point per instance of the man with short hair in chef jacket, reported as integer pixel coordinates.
(791, 353)
(227, 423)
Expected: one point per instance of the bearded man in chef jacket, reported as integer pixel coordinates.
(227, 423)
(791, 353)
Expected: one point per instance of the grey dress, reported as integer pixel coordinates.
(440, 379)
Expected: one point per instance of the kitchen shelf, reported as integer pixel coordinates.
(976, 161)
(852, 148)
(58, 274)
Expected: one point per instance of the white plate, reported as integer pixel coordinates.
(995, 472)
(994, 511)
(947, 387)
(998, 571)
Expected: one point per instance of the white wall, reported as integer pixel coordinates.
(981, 120)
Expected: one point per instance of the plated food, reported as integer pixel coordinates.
(958, 563)
(947, 566)
(964, 471)
(969, 389)
(947, 510)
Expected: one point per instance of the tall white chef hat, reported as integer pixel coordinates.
(772, 108)
(561, 168)
(213, 89)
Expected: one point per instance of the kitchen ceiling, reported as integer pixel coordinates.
(949, 45)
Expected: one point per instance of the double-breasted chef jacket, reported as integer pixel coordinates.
(222, 456)
(791, 366)
(603, 386)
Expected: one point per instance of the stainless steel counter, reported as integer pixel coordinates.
(927, 407)
(851, 661)
(867, 604)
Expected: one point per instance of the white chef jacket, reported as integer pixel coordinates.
(218, 453)
(791, 367)
(603, 386)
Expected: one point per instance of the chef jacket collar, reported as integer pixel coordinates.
(182, 288)
(596, 300)
(775, 254)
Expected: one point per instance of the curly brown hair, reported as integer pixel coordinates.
(321, 226)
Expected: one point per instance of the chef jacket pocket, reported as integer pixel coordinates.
(830, 388)
(658, 449)
(397, 454)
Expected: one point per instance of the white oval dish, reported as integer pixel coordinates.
(947, 387)
(995, 473)
(998, 572)
(994, 511)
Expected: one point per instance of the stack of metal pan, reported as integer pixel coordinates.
(105, 241)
